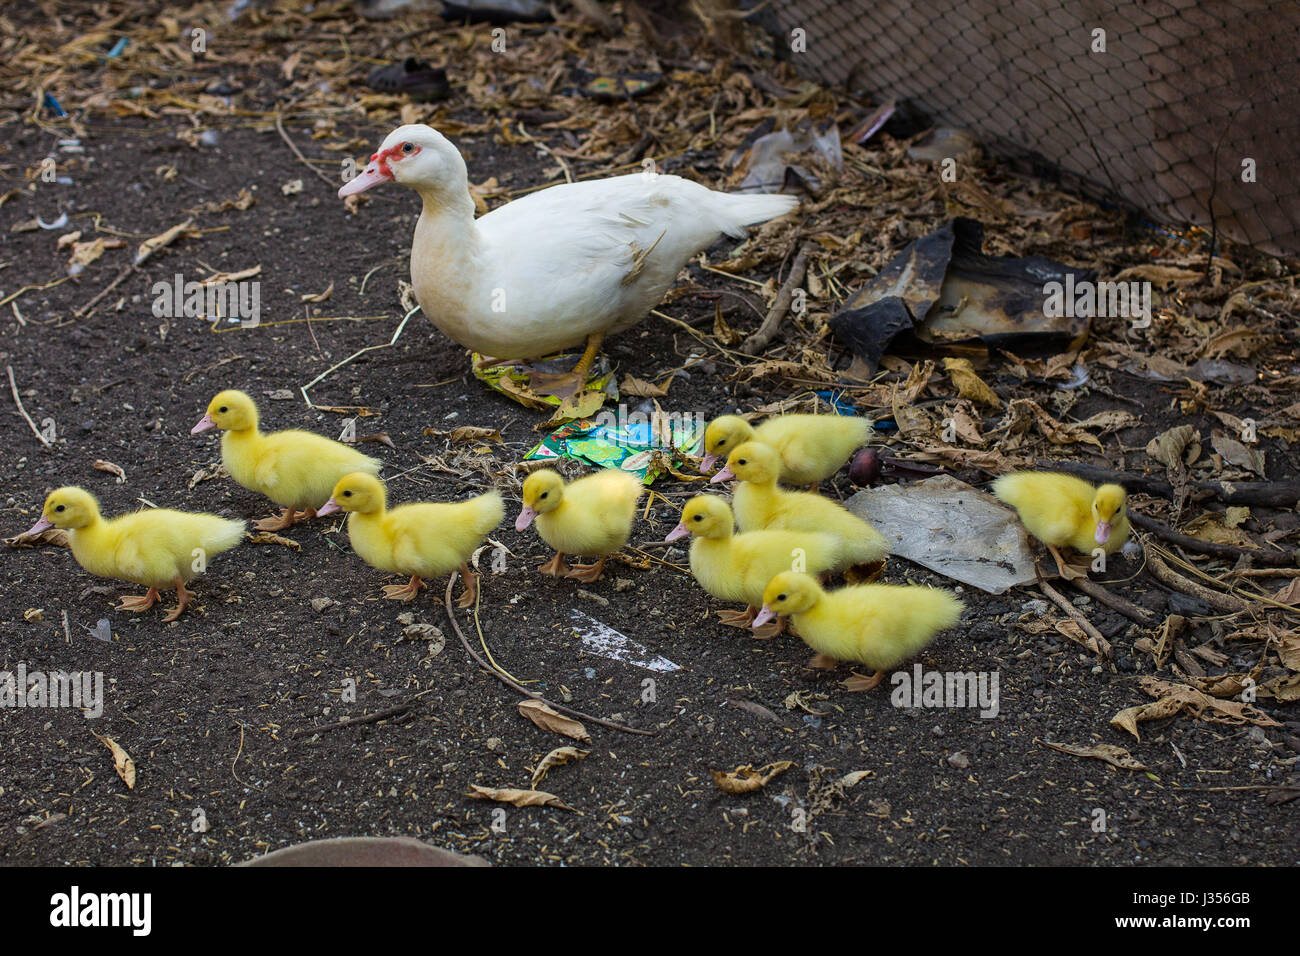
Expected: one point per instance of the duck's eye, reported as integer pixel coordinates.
(780, 597)
(222, 410)
(60, 508)
(544, 494)
(742, 462)
(347, 494)
(699, 518)
(721, 442)
(407, 147)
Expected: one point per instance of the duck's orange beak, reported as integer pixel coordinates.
(765, 615)
(40, 526)
(1103, 532)
(328, 508)
(707, 463)
(525, 519)
(681, 531)
(372, 175)
(725, 475)
(204, 424)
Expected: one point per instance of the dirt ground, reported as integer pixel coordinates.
(217, 710)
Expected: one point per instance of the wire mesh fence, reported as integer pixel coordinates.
(1187, 110)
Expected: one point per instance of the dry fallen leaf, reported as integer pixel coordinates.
(56, 536)
(557, 758)
(163, 239)
(1235, 453)
(1172, 699)
(1115, 756)
(969, 384)
(122, 761)
(268, 537)
(746, 779)
(557, 723)
(1174, 447)
(520, 798)
(465, 433)
(34, 614)
(641, 388)
(111, 468)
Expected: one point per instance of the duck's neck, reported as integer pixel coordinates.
(241, 436)
(446, 233)
(88, 535)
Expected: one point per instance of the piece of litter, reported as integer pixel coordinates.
(600, 638)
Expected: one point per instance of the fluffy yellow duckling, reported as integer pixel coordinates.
(156, 548)
(811, 448)
(736, 567)
(761, 505)
(1065, 511)
(591, 517)
(295, 469)
(879, 625)
(423, 539)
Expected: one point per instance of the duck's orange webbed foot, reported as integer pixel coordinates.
(183, 598)
(861, 682)
(1067, 570)
(139, 602)
(470, 594)
(586, 573)
(403, 592)
(288, 517)
(823, 662)
(738, 618)
(770, 630)
(555, 567)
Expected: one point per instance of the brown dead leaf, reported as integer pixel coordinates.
(1235, 453)
(548, 719)
(746, 779)
(1173, 699)
(268, 537)
(55, 536)
(161, 241)
(1284, 690)
(1115, 756)
(1174, 447)
(122, 761)
(111, 468)
(519, 798)
(466, 433)
(969, 384)
(557, 758)
(643, 389)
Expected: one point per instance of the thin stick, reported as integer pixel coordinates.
(368, 348)
(1061, 601)
(1114, 601)
(1187, 542)
(759, 340)
(352, 721)
(13, 387)
(279, 126)
(516, 686)
(1168, 576)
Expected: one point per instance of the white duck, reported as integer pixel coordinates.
(565, 264)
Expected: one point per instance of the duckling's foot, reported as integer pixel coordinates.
(738, 618)
(182, 602)
(470, 594)
(860, 682)
(555, 567)
(586, 572)
(288, 517)
(813, 488)
(140, 602)
(769, 630)
(1066, 570)
(403, 592)
(823, 662)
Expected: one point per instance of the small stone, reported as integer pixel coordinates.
(494, 744)
(319, 604)
(959, 760)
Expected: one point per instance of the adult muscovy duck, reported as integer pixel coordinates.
(564, 265)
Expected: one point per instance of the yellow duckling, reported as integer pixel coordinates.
(423, 539)
(879, 625)
(811, 448)
(761, 505)
(1065, 511)
(591, 517)
(156, 548)
(736, 567)
(295, 469)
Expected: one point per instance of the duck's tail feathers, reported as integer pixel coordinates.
(223, 535)
(738, 210)
(488, 510)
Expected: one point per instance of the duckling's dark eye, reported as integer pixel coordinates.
(544, 494)
(347, 494)
(721, 442)
(781, 597)
(60, 508)
(742, 462)
(222, 410)
(407, 147)
(699, 518)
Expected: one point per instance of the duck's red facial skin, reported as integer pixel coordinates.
(379, 170)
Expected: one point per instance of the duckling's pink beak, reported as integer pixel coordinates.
(1103, 532)
(681, 531)
(725, 475)
(525, 519)
(328, 508)
(204, 424)
(377, 172)
(765, 615)
(40, 526)
(707, 463)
